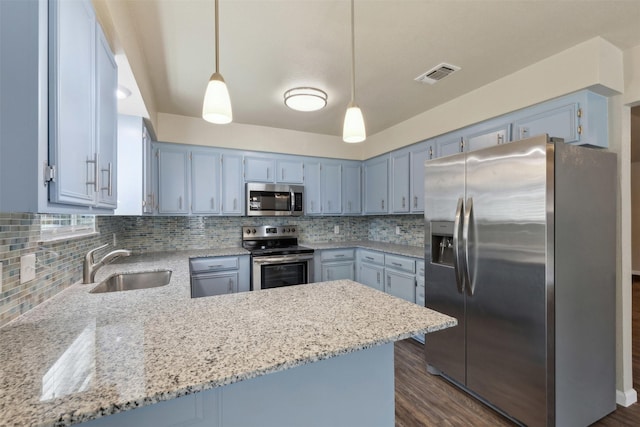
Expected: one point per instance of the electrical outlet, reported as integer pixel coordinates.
(115, 241)
(336, 229)
(397, 229)
(27, 268)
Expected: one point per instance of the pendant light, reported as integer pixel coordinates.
(217, 104)
(353, 129)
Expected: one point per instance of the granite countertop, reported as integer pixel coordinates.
(390, 248)
(80, 356)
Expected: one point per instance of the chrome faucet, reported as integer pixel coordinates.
(89, 268)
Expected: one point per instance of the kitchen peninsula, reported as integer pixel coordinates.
(327, 349)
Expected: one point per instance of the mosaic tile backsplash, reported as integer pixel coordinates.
(59, 264)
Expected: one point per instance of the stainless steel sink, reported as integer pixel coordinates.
(131, 281)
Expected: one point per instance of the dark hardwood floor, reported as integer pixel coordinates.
(426, 400)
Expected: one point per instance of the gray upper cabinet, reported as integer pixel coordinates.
(331, 188)
(399, 181)
(107, 119)
(313, 201)
(289, 171)
(376, 185)
(487, 136)
(72, 108)
(259, 169)
(232, 185)
(418, 155)
(351, 188)
(449, 144)
(205, 182)
(172, 180)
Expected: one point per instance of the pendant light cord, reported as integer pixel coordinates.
(217, 38)
(353, 58)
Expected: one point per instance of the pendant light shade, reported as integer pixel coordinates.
(216, 107)
(353, 129)
(217, 104)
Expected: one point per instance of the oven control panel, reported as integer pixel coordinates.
(269, 231)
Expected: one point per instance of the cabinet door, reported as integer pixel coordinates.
(289, 172)
(259, 169)
(376, 185)
(371, 275)
(205, 182)
(400, 182)
(488, 138)
(559, 122)
(401, 285)
(106, 104)
(418, 157)
(172, 181)
(338, 270)
(449, 146)
(214, 284)
(72, 104)
(331, 188)
(312, 204)
(232, 185)
(351, 189)
(149, 201)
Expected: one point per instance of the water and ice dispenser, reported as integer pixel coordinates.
(442, 242)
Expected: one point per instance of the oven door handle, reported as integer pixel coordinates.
(281, 259)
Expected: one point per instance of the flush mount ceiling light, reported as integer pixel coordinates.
(217, 104)
(122, 92)
(305, 99)
(353, 130)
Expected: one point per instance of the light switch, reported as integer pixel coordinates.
(27, 268)
(397, 229)
(336, 229)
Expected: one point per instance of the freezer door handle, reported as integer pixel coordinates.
(468, 212)
(456, 246)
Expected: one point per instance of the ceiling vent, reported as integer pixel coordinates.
(437, 73)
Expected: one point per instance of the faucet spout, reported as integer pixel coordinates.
(90, 268)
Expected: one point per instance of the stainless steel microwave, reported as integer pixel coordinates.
(274, 199)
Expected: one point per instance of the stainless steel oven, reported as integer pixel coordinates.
(276, 258)
(273, 271)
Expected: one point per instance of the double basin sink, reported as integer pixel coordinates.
(131, 281)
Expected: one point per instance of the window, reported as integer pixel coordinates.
(60, 226)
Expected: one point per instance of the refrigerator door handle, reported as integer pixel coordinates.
(468, 212)
(456, 246)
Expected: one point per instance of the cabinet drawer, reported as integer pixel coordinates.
(337, 254)
(400, 263)
(199, 265)
(420, 268)
(371, 256)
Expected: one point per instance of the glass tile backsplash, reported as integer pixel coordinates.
(59, 264)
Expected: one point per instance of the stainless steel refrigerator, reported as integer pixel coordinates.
(520, 247)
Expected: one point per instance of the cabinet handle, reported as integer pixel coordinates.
(397, 264)
(382, 203)
(215, 266)
(403, 201)
(312, 206)
(213, 203)
(283, 174)
(109, 186)
(339, 256)
(415, 202)
(349, 204)
(378, 277)
(230, 285)
(235, 203)
(500, 138)
(95, 172)
(369, 258)
(267, 173)
(389, 280)
(180, 203)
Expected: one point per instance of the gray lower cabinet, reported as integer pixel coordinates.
(336, 264)
(371, 269)
(400, 284)
(219, 275)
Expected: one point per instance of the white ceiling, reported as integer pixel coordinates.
(269, 46)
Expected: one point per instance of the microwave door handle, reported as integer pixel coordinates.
(292, 197)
